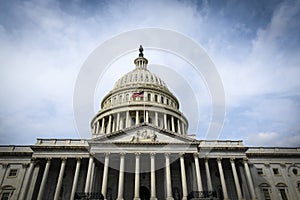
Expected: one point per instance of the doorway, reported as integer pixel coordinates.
(144, 193)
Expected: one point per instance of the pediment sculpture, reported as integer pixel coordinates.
(144, 136)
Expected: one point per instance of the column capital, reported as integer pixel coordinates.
(245, 160)
(232, 159)
(33, 159)
(167, 154)
(78, 158)
(152, 154)
(181, 154)
(282, 164)
(122, 154)
(48, 159)
(206, 159)
(25, 165)
(137, 154)
(4, 165)
(106, 154)
(219, 159)
(196, 155)
(92, 154)
(64, 158)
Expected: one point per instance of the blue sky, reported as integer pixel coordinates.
(255, 46)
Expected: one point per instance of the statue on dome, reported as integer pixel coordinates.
(141, 51)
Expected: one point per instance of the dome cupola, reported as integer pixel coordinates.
(141, 62)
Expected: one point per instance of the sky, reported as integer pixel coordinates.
(254, 45)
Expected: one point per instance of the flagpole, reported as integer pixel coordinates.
(144, 109)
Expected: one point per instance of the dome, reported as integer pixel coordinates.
(139, 97)
(140, 77)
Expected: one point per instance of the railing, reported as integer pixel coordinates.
(62, 142)
(88, 196)
(222, 143)
(201, 195)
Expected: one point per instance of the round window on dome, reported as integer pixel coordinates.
(295, 171)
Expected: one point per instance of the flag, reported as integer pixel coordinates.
(138, 94)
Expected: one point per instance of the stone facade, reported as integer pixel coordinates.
(140, 149)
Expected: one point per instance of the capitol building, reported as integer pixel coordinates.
(140, 149)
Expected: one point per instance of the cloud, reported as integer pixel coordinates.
(272, 139)
(255, 47)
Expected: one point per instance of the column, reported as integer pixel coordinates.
(88, 176)
(118, 122)
(137, 177)
(153, 185)
(127, 119)
(147, 116)
(156, 119)
(27, 181)
(172, 124)
(183, 129)
(137, 117)
(168, 176)
(60, 178)
(102, 126)
(98, 127)
(165, 121)
(236, 180)
(178, 126)
(223, 183)
(121, 123)
(92, 178)
(105, 175)
(121, 177)
(109, 125)
(75, 179)
(198, 172)
(183, 177)
(249, 179)
(3, 172)
(44, 180)
(113, 129)
(209, 185)
(94, 126)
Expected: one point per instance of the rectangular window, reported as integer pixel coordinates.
(276, 171)
(13, 172)
(155, 98)
(266, 194)
(149, 97)
(283, 194)
(260, 171)
(162, 99)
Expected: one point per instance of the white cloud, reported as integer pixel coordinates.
(42, 50)
(272, 139)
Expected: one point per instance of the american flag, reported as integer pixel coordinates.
(138, 94)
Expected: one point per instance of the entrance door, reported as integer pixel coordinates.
(144, 193)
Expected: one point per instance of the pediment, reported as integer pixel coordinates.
(143, 134)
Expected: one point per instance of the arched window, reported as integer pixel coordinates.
(6, 192)
(282, 190)
(265, 189)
